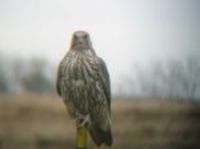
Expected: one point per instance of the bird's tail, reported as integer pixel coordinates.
(101, 136)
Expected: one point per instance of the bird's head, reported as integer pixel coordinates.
(81, 40)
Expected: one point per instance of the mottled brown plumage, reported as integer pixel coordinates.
(83, 83)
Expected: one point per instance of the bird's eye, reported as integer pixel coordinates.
(75, 37)
(85, 36)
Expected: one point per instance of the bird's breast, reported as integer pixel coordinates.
(80, 70)
(78, 83)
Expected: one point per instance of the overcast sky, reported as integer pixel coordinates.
(122, 31)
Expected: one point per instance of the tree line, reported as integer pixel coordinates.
(178, 78)
(32, 75)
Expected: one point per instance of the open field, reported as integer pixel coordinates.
(41, 122)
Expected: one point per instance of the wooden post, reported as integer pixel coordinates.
(81, 137)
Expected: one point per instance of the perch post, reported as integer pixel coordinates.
(81, 137)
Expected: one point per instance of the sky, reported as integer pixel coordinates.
(122, 31)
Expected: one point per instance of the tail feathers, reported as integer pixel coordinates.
(100, 136)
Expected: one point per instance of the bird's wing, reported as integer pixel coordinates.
(105, 79)
(59, 79)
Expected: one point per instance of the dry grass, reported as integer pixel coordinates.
(41, 121)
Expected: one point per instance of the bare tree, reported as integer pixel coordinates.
(3, 75)
(172, 79)
(38, 77)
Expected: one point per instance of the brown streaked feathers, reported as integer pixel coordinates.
(84, 84)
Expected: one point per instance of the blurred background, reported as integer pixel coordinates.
(151, 48)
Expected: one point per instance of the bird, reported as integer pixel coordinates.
(83, 82)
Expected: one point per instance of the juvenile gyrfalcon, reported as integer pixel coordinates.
(83, 83)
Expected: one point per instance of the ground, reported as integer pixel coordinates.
(32, 121)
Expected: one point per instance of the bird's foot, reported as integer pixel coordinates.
(83, 120)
